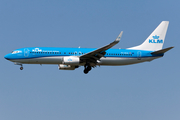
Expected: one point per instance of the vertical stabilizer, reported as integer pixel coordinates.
(156, 40)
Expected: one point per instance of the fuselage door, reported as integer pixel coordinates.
(139, 55)
(26, 52)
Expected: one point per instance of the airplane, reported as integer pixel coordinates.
(72, 58)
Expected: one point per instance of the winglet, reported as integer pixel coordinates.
(119, 37)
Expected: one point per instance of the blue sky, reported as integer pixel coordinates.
(142, 91)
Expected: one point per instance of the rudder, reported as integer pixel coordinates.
(156, 39)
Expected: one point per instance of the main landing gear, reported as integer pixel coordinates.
(87, 68)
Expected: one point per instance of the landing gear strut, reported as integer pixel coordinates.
(87, 68)
(21, 68)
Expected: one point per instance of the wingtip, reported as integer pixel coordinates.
(119, 37)
(120, 34)
(171, 47)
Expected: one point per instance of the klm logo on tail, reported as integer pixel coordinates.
(155, 40)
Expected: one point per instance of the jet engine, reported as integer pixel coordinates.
(71, 60)
(66, 67)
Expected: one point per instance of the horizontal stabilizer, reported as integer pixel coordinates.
(162, 51)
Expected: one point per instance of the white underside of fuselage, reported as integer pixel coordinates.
(108, 61)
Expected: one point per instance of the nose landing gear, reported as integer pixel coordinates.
(21, 68)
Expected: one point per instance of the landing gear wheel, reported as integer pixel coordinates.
(86, 71)
(87, 68)
(21, 68)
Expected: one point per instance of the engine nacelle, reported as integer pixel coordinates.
(66, 67)
(72, 60)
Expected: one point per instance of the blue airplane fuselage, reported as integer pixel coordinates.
(50, 55)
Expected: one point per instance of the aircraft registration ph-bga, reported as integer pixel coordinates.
(72, 58)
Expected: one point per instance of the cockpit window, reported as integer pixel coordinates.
(17, 51)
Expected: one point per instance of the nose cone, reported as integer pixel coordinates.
(7, 57)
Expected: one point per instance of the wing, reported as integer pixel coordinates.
(95, 55)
